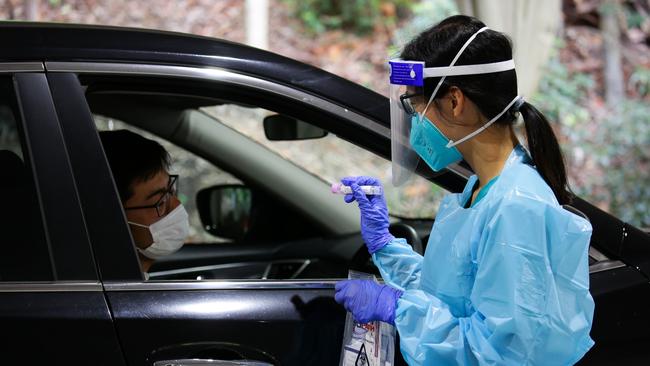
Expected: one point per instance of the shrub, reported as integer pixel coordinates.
(358, 15)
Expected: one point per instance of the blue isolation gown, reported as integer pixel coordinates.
(504, 282)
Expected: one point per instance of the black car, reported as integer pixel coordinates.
(71, 288)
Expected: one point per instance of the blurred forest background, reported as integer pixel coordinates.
(584, 63)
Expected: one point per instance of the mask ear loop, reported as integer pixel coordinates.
(453, 62)
(136, 224)
(485, 126)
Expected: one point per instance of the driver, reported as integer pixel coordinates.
(157, 219)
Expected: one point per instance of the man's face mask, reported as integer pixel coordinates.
(168, 233)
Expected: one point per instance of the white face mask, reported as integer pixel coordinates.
(168, 233)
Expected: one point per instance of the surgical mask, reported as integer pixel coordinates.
(437, 150)
(451, 144)
(428, 142)
(168, 234)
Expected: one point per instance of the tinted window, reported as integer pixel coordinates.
(25, 254)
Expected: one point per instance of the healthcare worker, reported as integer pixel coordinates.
(505, 277)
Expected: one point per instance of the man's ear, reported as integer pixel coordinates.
(457, 101)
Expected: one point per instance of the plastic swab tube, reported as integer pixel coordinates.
(368, 190)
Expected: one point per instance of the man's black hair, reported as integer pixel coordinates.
(133, 159)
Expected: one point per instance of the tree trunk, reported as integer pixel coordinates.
(31, 10)
(533, 26)
(257, 23)
(613, 73)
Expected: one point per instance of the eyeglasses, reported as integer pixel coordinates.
(407, 104)
(162, 204)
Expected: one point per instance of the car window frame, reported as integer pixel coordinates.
(309, 103)
(109, 235)
(268, 99)
(70, 253)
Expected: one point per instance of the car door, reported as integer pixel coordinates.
(52, 307)
(181, 319)
(292, 322)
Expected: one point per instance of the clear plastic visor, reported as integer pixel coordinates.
(403, 100)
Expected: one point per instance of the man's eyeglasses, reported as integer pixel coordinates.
(407, 104)
(161, 205)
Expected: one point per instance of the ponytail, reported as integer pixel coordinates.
(545, 151)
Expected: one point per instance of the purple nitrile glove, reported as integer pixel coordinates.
(374, 213)
(367, 300)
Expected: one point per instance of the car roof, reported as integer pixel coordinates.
(28, 41)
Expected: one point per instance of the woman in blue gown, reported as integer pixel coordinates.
(505, 277)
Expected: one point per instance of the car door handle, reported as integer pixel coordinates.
(210, 362)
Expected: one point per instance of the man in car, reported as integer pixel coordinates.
(158, 221)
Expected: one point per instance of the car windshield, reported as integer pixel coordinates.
(331, 158)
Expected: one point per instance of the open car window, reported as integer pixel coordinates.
(332, 158)
(255, 234)
(270, 213)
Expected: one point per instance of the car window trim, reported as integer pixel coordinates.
(218, 75)
(226, 76)
(307, 284)
(82, 286)
(16, 67)
(70, 252)
(108, 231)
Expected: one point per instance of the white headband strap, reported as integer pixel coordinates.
(431, 72)
(453, 62)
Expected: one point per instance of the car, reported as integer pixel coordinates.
(274, 240)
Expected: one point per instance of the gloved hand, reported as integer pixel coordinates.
(374, 213)
(367, 300)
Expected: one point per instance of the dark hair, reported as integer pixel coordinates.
(133, 159)
(438, 45)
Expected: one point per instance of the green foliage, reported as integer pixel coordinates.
(358, 15)
(426, 13)
(562, 96)
(622, 149)
(615, 142)
(608, 8)
(640, 81)
(633, 18)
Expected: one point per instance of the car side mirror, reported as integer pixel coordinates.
(225, 210)
(284, 128)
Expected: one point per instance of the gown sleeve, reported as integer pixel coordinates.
(530, 301)
(399, 265)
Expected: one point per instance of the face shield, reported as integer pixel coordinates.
(406, 80)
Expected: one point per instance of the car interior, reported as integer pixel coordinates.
(294, 228)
